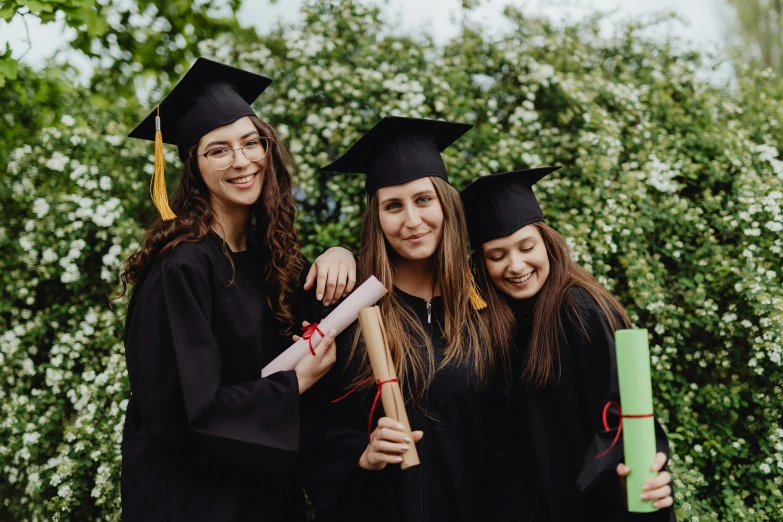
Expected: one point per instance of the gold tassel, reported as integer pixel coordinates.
(160, 197)
(475, 297)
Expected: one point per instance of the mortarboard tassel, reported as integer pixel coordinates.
(475, 297)
(160, 197)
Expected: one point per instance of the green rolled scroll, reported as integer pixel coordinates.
(633, 372)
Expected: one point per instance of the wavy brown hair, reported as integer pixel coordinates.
(465, 330)
(541, 365)
(274, 214)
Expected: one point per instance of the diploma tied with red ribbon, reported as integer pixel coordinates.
(386, 378)
(637, 424)
(367, 294)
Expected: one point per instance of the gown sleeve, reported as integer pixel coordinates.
(596, 354)
(496, 407)
(249, 425)
(335, 439)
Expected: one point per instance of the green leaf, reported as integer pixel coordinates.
(96, 25)
(9, 68)
(7, 11)
(37, 7)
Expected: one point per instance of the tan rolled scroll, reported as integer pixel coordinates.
(383, 369)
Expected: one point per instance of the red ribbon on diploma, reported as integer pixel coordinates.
(374, 401)
(307, 335)
(619, 426)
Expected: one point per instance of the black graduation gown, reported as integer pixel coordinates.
(456, 480)
(206, 438)
(560, 431)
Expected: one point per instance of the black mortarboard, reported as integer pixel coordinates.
(209, 96)
(500, 204)
(398, 150)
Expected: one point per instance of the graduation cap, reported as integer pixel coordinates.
(398, 150)
(500, 204)
(210, 95)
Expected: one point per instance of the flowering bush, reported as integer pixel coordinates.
(671, 195)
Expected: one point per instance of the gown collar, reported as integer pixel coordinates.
(419, 306)
(522, 308)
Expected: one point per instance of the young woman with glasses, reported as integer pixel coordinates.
(217, 290)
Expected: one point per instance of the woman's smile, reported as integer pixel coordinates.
(416, 238)
(520, 281)
(244, 181)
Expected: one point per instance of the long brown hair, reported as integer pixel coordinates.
(541, 365)
(274, 214)
(468, 340)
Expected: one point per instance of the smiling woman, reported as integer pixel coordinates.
(450, 371)
(411, 218)
(232, 162)
(217, 288)
(564, 323)
(517, 263)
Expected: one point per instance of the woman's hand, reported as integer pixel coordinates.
(335, 274)
(657, 489)
(312, 367)
(387, 444)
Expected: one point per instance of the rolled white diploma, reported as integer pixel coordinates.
(367, 294)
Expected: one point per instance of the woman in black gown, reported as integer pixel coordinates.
(414, 241)
(217, 287)
(564, 362)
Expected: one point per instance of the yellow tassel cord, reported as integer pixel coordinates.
(160, 197)
(475, 297)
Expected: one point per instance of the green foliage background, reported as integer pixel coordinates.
(671, 195)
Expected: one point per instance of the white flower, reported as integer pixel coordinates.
(661, 175)
(766, 153)
(78, 171)
(58, 161)
(67, 120)
(21, 152)
(114, 140)
(70, 274)
(40, 207)
(28, 367)
(106, 213)
(49, 256)
(26, 243)
(65, 492)
(30, 438)
(774, 226)
(765, 467)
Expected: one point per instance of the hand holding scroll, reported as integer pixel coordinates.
(657, 489)
(387, 444)
(310, 369)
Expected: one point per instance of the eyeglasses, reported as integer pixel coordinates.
(222, 158)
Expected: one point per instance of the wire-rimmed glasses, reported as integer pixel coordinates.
(221, 158)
